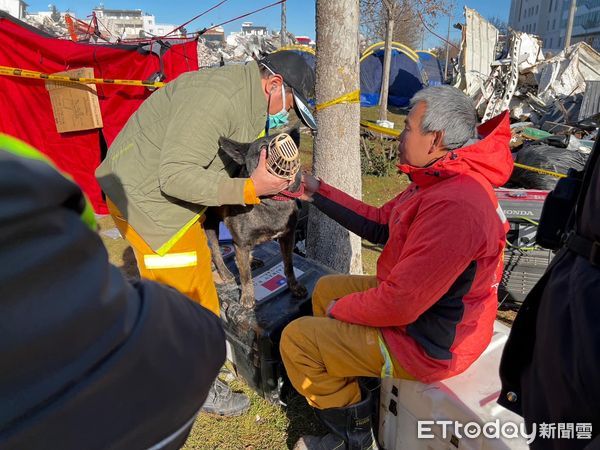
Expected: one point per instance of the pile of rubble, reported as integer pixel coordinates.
(240, 48)
(48, 25)
(534, 87)
(554, 99)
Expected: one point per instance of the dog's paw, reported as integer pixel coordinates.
(247, 301)
(298, 291)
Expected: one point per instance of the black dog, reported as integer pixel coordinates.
(254, 224)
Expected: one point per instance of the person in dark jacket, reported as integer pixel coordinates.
(550, 368)
(88, 359)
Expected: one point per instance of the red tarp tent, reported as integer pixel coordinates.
(25, 109)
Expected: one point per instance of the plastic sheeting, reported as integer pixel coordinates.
(25, 106)
(546, 157)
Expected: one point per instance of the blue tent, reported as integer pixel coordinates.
(406, 78)
(432, 67)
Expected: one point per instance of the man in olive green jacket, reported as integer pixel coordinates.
(165, 168)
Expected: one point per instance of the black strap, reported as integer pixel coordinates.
(585, 247)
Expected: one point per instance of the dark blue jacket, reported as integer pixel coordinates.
(89, 360)
(550, 368)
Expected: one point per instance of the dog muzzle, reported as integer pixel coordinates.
(282, 159)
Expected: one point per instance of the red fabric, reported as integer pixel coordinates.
(447, 218)
(25, 103)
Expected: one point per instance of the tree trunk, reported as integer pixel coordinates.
(283, 31)
(336, 155)
(387, 59)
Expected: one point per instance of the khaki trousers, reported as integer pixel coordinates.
(323, 356)
(186, 267)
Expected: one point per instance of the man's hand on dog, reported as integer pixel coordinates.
(265, 183)
(311, 185)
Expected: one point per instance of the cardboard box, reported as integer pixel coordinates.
(75, 105)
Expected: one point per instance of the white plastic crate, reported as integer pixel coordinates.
(468, 397)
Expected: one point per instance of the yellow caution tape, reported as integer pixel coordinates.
(351, 97)
(379, 129)
(396, 133)
(14, 72)
(542, 171)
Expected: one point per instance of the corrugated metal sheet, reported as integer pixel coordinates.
(479, 50)
(591, 100)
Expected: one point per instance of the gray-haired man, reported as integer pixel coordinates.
(429, 312)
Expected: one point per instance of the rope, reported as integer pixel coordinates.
(201, 32)
(434, 33)
(350, 97)
(194, 18)
(13, 72)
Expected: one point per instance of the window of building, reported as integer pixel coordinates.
(537, 8)
(534, 27)
(550, 42)
(553, 24)
(550, 9)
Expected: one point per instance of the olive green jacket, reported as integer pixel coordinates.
(164, 167)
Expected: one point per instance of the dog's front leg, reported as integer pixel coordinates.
(242, 258)
(212, 237)
(286, 242)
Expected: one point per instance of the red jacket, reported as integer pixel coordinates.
(441, 264)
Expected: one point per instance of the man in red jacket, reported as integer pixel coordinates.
(429, 312)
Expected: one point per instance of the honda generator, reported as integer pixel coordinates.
(524, 261)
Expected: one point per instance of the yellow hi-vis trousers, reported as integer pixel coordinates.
(186, 267)
(323, 357)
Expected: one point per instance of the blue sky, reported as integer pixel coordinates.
(300, 13)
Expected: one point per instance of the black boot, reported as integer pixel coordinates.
(351, 428)
(223, 401)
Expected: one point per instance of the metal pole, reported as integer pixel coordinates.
(570, 23)
(448, 42)
(283, 25)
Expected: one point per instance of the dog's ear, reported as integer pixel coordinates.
(235, 150)
(294, 132)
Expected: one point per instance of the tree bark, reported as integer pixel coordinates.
(387, 59)
(336, 154)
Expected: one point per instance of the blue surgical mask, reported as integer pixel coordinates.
(282, 117)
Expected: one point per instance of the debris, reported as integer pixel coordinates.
(47, 24)
(590, 105)
(535, 134)
(237, 49)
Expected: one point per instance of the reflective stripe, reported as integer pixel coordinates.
(171, 242)
(501, 214)
(387, 370)
(171, 260)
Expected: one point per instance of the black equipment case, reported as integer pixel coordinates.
(253, 335)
